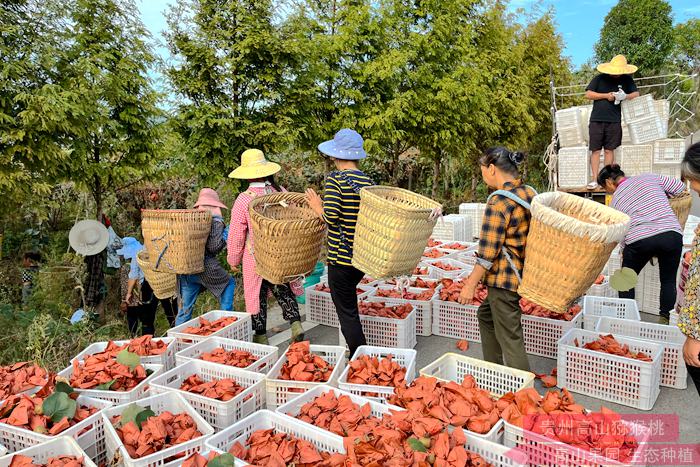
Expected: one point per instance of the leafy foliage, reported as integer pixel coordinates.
(642, 30)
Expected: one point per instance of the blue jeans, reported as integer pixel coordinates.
(190, 287)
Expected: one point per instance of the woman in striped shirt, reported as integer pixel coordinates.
(339, 208)
(654, 229)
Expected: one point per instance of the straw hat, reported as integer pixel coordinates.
(617, 66)
(347, 144)
(254, 165)
(88, 237)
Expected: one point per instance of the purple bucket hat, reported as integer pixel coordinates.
(346, 144)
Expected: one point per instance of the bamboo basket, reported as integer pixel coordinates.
(164, 284)
(287, 236)
(681, 207)
(175, 239)
(393, 227)
(569, 242)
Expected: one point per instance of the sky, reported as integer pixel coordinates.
(579, 21)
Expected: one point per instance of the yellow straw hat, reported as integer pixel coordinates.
(617, 66)
(254, 165)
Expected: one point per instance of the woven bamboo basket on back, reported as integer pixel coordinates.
(681, 206)
(287, 236)
(175, 239)
(393, 227)
(164, 284)
(569, 242)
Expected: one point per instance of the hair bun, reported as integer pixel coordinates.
(516, 157)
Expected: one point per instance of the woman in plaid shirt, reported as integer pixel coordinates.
(501, 257)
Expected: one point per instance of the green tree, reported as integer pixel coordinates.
(543, 61)
(686, 51)
(33, 117)
(642, 30)
(229, 62)
(104, 66)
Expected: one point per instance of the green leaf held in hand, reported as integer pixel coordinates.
(224, 460)
(58, 405)
(416, 445)
(623, 280)
(129, 359)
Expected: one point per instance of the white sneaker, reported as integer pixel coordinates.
(592, 185)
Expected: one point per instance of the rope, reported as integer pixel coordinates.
(550, 163)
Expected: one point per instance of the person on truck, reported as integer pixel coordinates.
(607, 90)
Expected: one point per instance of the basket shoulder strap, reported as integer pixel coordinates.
(512, 196)
(351, 183)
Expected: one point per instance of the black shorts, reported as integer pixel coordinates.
(606, 135)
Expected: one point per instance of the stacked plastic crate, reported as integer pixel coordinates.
(572, 161)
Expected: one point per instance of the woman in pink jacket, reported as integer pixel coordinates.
(258, 171)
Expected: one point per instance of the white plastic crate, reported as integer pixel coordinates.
(267, 354)
(439, 273)
(614, 263)
(423, 308)
(648, 290)
(496, 379)
(404, 357)
(542, 334)
(636, 159)
(117, 397)
(58, 446)
(669, 170)
(602, 290)
(240, 330)
(646, 130)
(294, 406)
(3, 450)
(496, 453)
(669, 151)
(468, 257)
(572, 164)
(453, 246)
(543, 451)
(663, 110)
(167, 359)
(452, 319)
(475, 211)
(626, 138)
(638, 108)
(219, 414)
(570, 136)
(674, 373)
(449, 229)
(171, 402)
(89, 433)
(595, 307)
(280, 391)
(320, 308)
(389, 332)
(265, 420)
(440, 252)
(613, 378)
(571, 116)
(586, 111)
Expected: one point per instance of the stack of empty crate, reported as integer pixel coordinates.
(453, 228)
(475, 212)
(645, 147)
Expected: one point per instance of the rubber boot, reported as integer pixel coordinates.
(297, 331)
(261, 339)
